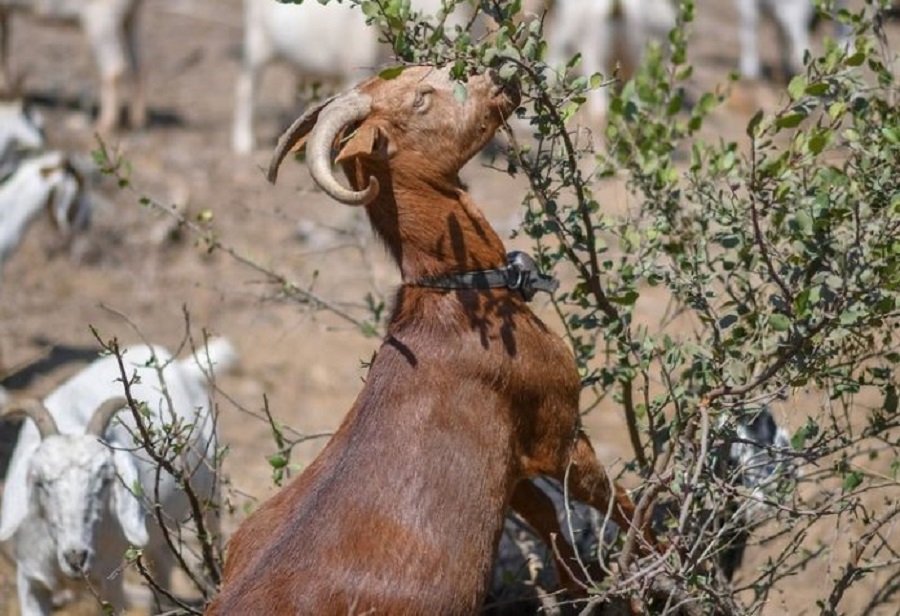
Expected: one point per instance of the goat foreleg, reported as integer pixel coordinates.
(589, 483)
(34, 598)
(537, 509)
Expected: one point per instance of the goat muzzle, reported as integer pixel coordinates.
(76, 562)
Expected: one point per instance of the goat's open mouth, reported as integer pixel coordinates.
(506, 96)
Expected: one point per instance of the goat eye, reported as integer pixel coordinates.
(422, 97)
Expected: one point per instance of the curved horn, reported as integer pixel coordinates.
(348, 108)
(104, 414)
(30, 408)
(294, 137)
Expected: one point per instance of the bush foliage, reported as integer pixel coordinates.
(777, 262)
(776, 259)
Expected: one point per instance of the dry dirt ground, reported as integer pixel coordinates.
(308, 364)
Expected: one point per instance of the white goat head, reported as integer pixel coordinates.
(19, 131)
(67, 201)
(761, 452)
(74, 480)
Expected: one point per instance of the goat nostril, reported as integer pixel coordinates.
(76, 559)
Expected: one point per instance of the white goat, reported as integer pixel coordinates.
(71, 503)
(793, 19)
(323, 42)
(111, 30)
(592, 28)
(20, 132)
(45, 181)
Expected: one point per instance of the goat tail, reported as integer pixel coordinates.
(216, 357)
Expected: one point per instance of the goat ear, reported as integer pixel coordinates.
(17, 491)
(127, 505)
(15, 505)
(367, 140)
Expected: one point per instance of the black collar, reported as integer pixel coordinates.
(520, 274)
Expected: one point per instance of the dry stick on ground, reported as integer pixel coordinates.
(112, 164)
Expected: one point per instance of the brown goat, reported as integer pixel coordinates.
(469, 395)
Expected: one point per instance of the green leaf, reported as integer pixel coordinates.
(852, 480)
(818, 141)
(805, 433)
(790, 120)
(570, 110)
(797, 87)
(460, 93)
(277, 461)
(891, 134)
(856, 59)
(779, 322)
(836, 109)
(817, 89)
(391, 72)
(508, 71)
(625, 299)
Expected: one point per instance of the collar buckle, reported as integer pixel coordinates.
(520, 274)
(524, 276)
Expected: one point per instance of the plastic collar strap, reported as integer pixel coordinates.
(520, 274)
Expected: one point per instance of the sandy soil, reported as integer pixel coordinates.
(308, 364)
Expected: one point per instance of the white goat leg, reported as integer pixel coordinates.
(748, 13)
(138, 106)
(793, 18)
(106, 38)
(34, 599)
(258, 52)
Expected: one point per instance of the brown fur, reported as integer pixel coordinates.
(469, 394)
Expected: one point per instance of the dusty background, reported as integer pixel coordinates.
(308, 364)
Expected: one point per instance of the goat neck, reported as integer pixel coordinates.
(429, 223)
